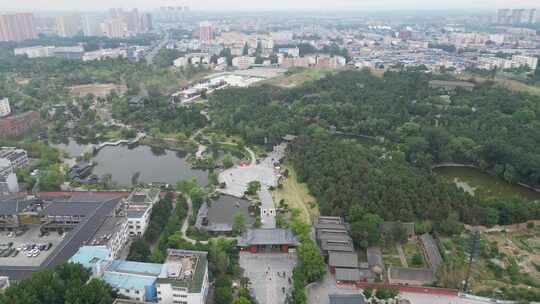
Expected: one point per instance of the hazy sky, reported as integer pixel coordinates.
(35, 5)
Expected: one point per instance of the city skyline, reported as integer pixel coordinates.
(243, 5)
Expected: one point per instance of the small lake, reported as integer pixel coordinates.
(479, 183)
(153, 165)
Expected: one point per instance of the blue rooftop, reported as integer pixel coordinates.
(148, 269)
(128, 281)
(90, 255)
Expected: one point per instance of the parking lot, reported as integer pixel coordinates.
(270, 275)
(25, 248)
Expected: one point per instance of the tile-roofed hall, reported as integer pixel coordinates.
(258, 240)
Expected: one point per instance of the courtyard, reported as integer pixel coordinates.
(17, 253)
(270, 275)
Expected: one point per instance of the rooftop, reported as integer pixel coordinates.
(128, 281)
(90, 255)
(343, 259)
(419, 276)
(275, 236)
(138, 268)
(432, 251)
(331, 245)
(185, 268)
(346, 299)
(347, 274)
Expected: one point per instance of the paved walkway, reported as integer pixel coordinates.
(265, 272)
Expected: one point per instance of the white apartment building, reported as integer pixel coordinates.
(5, 109)
(138, 209)
(105, 54)
(181, 62)
(502, 63)
(35, 51)
(530, 61)
(243, 62)
(9, 183)
(12, 159)
(184, 279)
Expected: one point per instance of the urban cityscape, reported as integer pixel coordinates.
(245, 153)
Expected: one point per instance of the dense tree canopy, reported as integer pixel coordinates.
(421, 126)
(65, 284)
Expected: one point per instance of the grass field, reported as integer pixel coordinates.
(410, 249)
(510, 84)
(297, 196)
(298, 78)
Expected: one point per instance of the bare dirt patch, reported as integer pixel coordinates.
(97, 89)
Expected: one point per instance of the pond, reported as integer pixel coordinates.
(151, 164)
(476, 182)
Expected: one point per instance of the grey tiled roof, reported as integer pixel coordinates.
(418, 276)
(346, 299)
(347, 274)
(267, 237)
(431, 250)
(343, 259)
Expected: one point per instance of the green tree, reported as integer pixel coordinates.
(242, 300)
(245, 51)
(239, 223)
(366, 232)
(253, 187)
(227, 161)
(139, 251)
(311, 261)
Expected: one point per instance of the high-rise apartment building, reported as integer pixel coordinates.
(68, 26)
(517, 16)
(205, 32)
(91, 26)
(17, 27)
(114, 28)
(146, 22)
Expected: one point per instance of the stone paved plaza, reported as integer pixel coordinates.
(262, 269)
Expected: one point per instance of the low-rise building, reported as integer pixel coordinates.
(18, 125)
(263, 240)
(411, 276)
(18, 158)
(346, 299)
(37, 51)
(9, 184)
(184, 279)
(138, 209)
(5, 109)
(69, 52)
(243, 62)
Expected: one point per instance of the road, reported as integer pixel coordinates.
(185, 224)
(155, 49)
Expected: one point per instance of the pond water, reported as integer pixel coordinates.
(479, 183)
(153, 165)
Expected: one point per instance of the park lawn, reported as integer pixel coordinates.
(410, 249)
(392, 260)
(391, 256)
(297, 196)
(298, 78)
(510, 84)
